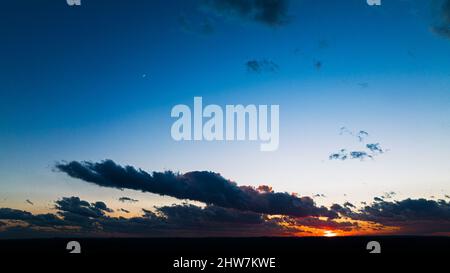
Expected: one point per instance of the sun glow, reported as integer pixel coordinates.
(329, 233)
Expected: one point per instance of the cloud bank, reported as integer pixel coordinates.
(207, 187)
(410, 216)
(76, 217)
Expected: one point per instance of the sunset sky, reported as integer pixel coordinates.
(83, 84)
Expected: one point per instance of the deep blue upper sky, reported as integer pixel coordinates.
(98, 81)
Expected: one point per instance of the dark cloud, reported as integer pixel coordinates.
(29, 202)
(349, 205)
(409, 216)
(175, 220)
(148, 213)
(13, 214)
(73, 205)
(389, 195)
(325, 224)
(259, 66)
(342, 210)
(39, 219)
(361, 134)
(318, 65)
(375, 148)
(343, 155)
(203, 186)
(102, 206)
(124, 210)
(446, 11)
(188, 220)
(264, 188)
(345, 130)
(268, 12)
(412, 216)
(443, 28)
(125, 199)
(359, 155)
(193, 215)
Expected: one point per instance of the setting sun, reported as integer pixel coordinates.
(329, 233)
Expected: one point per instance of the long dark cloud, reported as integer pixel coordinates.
(125, 199)
(268, 12)
(203, 186)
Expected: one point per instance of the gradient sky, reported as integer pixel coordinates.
(98, 82)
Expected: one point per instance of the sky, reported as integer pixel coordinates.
(98, 81)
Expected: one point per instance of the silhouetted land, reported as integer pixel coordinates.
(162, 252)
(230, 246)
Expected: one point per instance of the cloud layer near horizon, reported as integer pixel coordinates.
(76, 217)
(230, 210)
(207, 187)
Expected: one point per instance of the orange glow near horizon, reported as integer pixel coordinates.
(329, 233)
(361, 228)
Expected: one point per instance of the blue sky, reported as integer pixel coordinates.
(98, 82)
